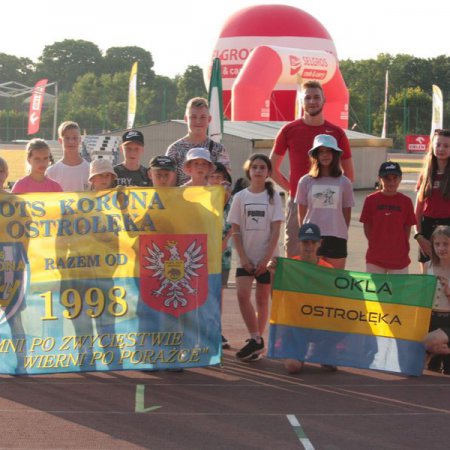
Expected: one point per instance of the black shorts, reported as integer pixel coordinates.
(427, 226)
(333, 247)
(264, 278)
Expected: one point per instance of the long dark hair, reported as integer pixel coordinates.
(316, 170)
(268, 184)
(430, 168)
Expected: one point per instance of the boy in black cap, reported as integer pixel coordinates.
(309, 241)
(162, 171)
(388, 216)
(131, 172)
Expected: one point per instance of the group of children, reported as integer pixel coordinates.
(325, 198)
(254, 217)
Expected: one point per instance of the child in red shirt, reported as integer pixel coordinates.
(388, 216)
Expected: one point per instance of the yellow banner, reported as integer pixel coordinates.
(96, 234)
(349, 316)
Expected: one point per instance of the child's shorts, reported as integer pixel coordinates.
(264, 278)
(333, 247)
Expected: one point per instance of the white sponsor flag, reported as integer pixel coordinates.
(386, 89)
(438, 109)
(215, 129)
(132, 96)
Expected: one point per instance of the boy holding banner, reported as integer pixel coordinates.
(131, 172)
(309, 241)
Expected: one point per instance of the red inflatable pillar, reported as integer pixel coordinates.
(250, 98)
(335, 109)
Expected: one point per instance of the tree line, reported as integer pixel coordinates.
(410, 93)
(93, 90)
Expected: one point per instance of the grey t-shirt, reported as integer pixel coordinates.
(126, 177)
(177, 151)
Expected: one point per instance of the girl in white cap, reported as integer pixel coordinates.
(325, 197)
(101, 175)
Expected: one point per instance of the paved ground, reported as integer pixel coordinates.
(236, 406)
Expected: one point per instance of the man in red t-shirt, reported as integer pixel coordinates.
(297, 139)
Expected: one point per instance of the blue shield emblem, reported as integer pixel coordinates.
(14, 278)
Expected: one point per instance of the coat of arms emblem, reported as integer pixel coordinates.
(14, 278)
(174, 272)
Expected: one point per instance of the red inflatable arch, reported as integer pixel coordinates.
(264, 50)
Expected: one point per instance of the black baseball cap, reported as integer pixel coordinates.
(163, 162)
(133, 136)
(389, 168)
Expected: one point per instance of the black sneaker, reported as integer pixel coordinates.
(225, 343)
(254, 357)
(252, 348)
(329, 367)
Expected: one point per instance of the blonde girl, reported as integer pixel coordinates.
(439, 265)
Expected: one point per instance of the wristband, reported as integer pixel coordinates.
(417, 236)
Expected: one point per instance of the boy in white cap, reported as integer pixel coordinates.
(198, 166)
(101, 175)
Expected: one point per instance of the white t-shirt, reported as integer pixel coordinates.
(254, 214)
(440, 302)
(71, 178)
(324, 198)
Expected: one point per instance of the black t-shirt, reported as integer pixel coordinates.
(127, 177)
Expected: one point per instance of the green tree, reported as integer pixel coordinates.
(121, 59)
(161, 102)
(12, 68)
(98, 103)
(409, 112)
(18, 70)
(65, 61)
(190, 84)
